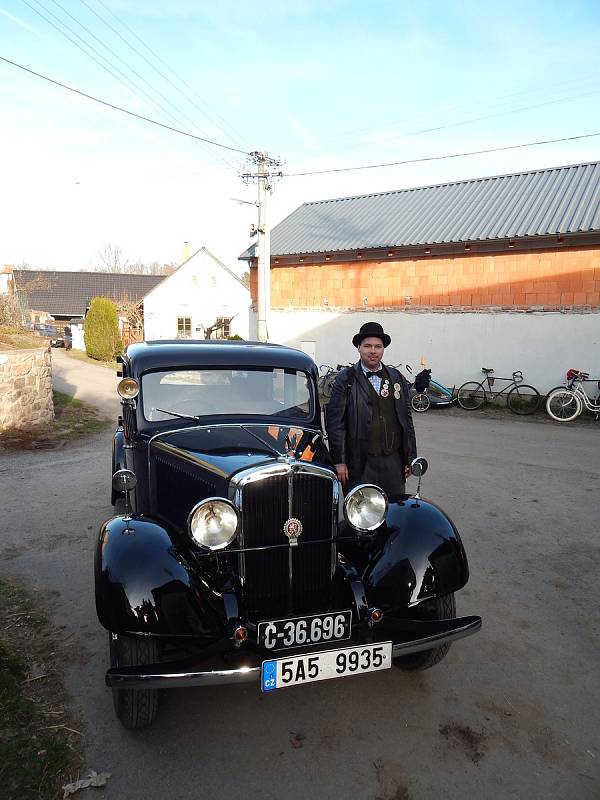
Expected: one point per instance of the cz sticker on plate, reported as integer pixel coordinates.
(279, 673)
(298, 631)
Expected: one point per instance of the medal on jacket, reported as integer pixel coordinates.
(397, 391)
(384, 390)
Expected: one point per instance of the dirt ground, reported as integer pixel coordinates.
(513, 712)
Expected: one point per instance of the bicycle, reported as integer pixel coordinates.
(327, 379)
(565, 403)
(521, 398)
(433, 393)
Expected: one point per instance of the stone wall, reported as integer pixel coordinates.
(25, 388)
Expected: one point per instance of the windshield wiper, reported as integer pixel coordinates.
(175, 414)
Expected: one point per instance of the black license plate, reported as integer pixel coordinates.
(298, 631)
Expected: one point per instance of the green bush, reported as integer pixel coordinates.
(101, 330)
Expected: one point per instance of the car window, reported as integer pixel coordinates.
(232, 392)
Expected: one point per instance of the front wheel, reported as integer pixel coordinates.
(135, 708)
(471, 395)
(443, 607)
(523, 399)
(420, 402)
(563, 405)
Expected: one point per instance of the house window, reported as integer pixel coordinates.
(224, 327)
(184, 327)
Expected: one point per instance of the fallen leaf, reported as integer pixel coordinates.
(94, 779)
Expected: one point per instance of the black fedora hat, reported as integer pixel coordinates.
(371, 329)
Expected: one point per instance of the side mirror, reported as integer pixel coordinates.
(124, 482)
(419, 467)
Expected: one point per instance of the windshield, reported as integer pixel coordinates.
(204, 392)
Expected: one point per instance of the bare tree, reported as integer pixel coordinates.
(111, 259)
(131, 311)
(246, 279)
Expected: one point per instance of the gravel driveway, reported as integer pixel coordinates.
(513, 712)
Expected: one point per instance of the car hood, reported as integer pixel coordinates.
(227, 449)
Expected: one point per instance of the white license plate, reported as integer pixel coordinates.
(315, 629)
(279, 673)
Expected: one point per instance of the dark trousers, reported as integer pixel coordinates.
(387, 472)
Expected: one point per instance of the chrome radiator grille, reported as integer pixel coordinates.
(287, 580)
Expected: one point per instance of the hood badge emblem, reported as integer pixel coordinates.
(293, 529)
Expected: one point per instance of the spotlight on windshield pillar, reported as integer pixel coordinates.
(128, 388)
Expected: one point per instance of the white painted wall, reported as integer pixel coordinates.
(202, 289)
(456, 346)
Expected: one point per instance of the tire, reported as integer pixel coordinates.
(523, 399)
(563, 405)
(135, 708)
(420, 401)
(443, 607)
(471, 395)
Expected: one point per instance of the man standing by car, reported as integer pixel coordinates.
(68, 337)
(368, 420)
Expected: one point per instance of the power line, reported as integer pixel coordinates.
(123, 110)
(106, 64)
(395, 136)
(232, 134)
(439, 158)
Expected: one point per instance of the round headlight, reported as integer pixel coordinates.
(365, 507)
(213, 523)
(128, 388)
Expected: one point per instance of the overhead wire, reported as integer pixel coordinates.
(501, 100)
(109, 67)
(438, 158)
(124, 110)
(232, 133)
(180, 113)
(474, 119)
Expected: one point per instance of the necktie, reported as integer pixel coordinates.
(376, 374)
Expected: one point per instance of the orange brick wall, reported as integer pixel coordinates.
(542, 279)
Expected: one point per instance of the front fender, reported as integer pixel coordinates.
(416, 555)
(145, 585)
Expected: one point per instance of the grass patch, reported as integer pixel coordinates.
(15, 338)
(39, 749)
(79, 355)
(73, 419)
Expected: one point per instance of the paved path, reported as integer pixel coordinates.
(513, 713)
(94, 384)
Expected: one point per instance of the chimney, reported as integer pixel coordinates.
(186, 252)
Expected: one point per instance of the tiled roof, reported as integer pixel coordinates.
(70, 293)
(554, 201)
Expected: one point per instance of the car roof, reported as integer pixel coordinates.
(143, 356)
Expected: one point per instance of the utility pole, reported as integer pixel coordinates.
(265, 170)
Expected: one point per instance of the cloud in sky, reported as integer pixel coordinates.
(323, 85)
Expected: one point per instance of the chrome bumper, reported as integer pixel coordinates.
(417, 635)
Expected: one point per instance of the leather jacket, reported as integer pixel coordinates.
(349, 414)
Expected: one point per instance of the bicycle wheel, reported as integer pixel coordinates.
(471, 395)
(563, 405)
(523, 399)
(420, 402)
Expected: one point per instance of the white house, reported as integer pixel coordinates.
(202, 299)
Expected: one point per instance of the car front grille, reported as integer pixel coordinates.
(279, 581)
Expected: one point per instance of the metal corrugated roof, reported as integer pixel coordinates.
(554, 201)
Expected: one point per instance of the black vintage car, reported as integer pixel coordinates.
(233, 555)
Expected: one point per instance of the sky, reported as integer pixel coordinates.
(318, 84)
